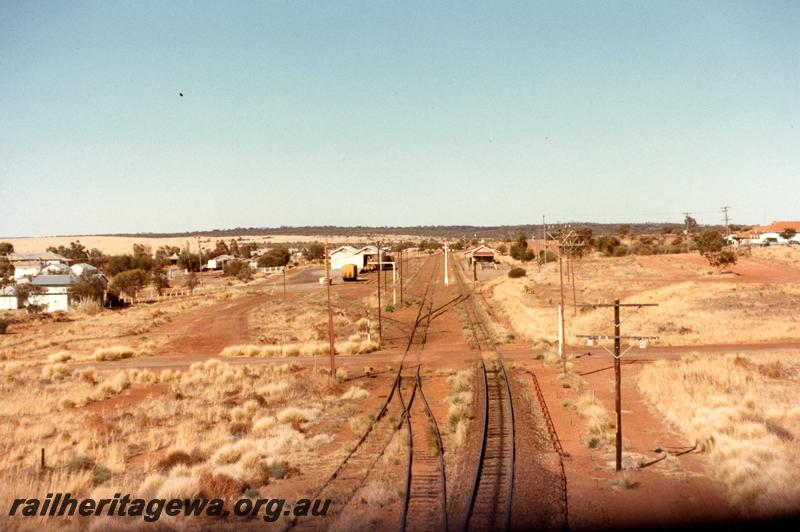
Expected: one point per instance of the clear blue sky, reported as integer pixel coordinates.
(394, 113)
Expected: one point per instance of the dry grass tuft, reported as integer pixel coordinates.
(116, 352)
(742, 412)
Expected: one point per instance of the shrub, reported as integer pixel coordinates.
(515, 273)
(274, 257)
(3, 326)
(641, 248)
(547, 256)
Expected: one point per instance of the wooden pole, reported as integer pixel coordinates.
(572, 273)
(332, 349)
(618, 385)
(380, 323)
(563, 324)
(284, 283)
(401, 277)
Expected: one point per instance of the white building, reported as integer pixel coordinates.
(56, 288)
(30, 264)
(359, 257)
(80, 269)
(9, 299)
(762, 235)
(343, 255)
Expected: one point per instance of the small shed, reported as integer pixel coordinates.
(217, 263)
(482, 253)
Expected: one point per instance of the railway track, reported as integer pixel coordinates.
(354, 469)
(490, 500)
(425, 494)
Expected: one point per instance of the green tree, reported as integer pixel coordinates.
(519, 249)
(75, 252)
(607, 245)
(274, 257)
(97, 258)
(129, 282)
(220, 249)
(711, 244)
(192, 281)
(88, 286)
(234, 248)
(159, 279)
(246, 250)
(788, 234)
(6, 248)
(26, 291)
(583, 237)
(189, 261)
(6, 271)
(314, 251)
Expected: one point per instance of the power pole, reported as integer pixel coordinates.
(332, 349)
(561, 344)
(686, 229)
(544, 240)
(565, 243)
(401, 275)
(380, 326)
(617, 354)
(284, 282)
(571, 257)
(446, 279)
(727, 220)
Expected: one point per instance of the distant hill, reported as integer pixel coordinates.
(496, 232)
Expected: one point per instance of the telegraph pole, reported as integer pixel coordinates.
(332, 349)
(686, 229)
(380, 326)
(564, 243)
(727, 219)
(446, 279)
(563, 339)
(401, 274)
(617, 354)
(544, 241)
(618, 384)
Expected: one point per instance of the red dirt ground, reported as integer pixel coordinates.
(660, 497)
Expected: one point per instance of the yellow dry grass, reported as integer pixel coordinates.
(742, 411)
(688, 312)
(252, 424)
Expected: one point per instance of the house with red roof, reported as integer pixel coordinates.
(764, 235)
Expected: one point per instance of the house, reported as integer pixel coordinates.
(217, 263)
(9, 299)
(58, 268)
(763, 235)
(29, 264)
(81, 268)
(482, 253)
(56, 291)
